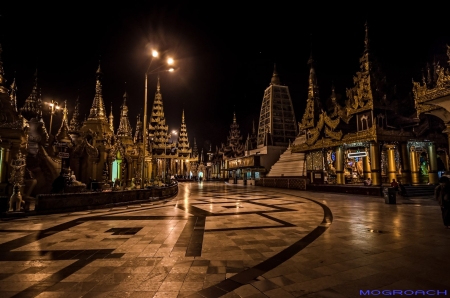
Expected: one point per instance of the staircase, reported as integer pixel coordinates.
(419, 191)
(290, 164)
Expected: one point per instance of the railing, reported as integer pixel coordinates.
(54, 203)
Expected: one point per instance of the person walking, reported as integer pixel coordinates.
(442, 195)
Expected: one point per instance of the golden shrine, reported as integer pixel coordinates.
(370, 136)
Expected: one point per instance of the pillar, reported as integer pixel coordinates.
(406, 169)
(366, 167)
(432, 159)
(340, 178)
(3, 166)
(415, 166)
(392, 170)
(375, 164)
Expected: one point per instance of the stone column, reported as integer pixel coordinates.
(392, 170)
(340, 178)
(432, 159)
(406, 169)
(415, 166)
(366, 167)
(375, 164)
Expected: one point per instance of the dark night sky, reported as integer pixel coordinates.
(225, 54)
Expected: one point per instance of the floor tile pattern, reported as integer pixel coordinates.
(217, 240)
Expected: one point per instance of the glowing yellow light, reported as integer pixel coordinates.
(155, 53)
(171, 69)
(170, 61)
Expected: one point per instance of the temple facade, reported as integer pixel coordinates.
(370, 136)
(93, 150)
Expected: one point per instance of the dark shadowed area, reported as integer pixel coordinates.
(224, 54)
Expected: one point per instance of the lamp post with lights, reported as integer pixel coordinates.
(170, 61)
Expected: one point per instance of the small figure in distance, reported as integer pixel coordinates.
(394, 184)
(368, 182)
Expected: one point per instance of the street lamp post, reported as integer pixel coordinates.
(170, 61)
(53, 106)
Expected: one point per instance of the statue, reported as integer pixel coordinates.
(17, 179)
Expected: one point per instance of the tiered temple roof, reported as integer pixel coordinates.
(33, 104)
(98, 106)
(158, 130)
(124, 129)
(63, 131)
(234, 148)
(75, 124)
(183, 143)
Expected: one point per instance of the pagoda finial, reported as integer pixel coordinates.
(158, 86)
(275, 78)
(111, 119)
(99, 70)
(313, 89)
(182, 117)
(366, 39)
(13, 93)
(75, 122)
(234, 117)
(98, 106)
(254, 131)
(124, 129)
(63, 132)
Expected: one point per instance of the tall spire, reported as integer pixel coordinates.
(111, 120)
(13, 94)
(313, 88)
(366, 38)
(75, 121)
(138, 133)
(98, 106)
(124, 129)
(183, 142)
(63, 132)
(3, 89)
(33, 103)
(234, 117)
(275, 78)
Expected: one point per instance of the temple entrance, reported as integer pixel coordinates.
(116, 168)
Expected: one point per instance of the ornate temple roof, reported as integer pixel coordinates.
(124, 129)
(234, 147)
(98, 106)
(33, 104)
(3, 88)
(63, 131)
(138, 137)
(111, 120)
(75, 124)
(158, 129)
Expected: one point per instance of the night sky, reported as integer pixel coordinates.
(224, 52)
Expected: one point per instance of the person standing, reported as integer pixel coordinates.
(442, 195)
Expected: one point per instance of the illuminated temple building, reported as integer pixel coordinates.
(92, 150)
(369, 136)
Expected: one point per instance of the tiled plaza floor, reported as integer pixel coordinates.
(217, 240)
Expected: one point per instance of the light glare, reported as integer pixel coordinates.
(155, 53)
(170, 61)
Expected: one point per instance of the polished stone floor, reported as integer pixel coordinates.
(216, 240)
